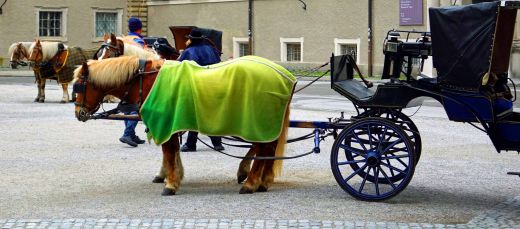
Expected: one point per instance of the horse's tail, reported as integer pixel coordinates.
(280, 147)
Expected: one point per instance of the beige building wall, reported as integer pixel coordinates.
(319, 25)
(19, 21)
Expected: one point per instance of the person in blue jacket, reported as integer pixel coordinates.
(129, 137)
(202, 51)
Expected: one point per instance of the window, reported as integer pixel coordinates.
(347, 46)
(350, 49)
(240, 46)
(51, 23)
(106, 21)
(243, 49)
(294, 51)
(291, 49)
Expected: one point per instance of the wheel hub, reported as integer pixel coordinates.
(373, 158)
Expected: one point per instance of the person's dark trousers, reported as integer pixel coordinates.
(191, 142)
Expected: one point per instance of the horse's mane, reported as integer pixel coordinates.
(111, 72)
(49, 49)
(132, 50)
(26, 44)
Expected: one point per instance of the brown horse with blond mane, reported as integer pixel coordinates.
(123, 78)
(55, 61)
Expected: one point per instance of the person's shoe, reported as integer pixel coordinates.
(218, 148)
(186, 148)
(128, 140)
(137, 140)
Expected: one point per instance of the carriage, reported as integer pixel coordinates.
(375, 152)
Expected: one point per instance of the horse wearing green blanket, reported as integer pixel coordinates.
(247, 97)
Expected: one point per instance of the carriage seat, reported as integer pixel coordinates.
(352, 88)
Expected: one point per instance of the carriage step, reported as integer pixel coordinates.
(514, 173)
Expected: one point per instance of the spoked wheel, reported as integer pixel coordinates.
(404, 122)
(373, 159)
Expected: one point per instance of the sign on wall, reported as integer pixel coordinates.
(410, 12)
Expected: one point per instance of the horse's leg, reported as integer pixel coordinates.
(254, 178)
(41, 88)
(174, 170)
(65, 97)
(268, 172)
(38, 79)
(245, 166)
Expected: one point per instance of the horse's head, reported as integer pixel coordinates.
(35, 53)
(18, 54)
(122, 77)
(112, 47)
(88, 98)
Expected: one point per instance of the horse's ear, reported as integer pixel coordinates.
(113, 39)
(38, 42)
(84, 69)
(105, 37)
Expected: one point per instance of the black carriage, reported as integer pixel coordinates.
(374, 157)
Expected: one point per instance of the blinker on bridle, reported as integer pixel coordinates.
(117, 52)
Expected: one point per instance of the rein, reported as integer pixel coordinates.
(312, 71)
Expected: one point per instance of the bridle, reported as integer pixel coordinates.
(39, 54)
(18, 54)
(86, 112)
(113, 50)
(80, 87)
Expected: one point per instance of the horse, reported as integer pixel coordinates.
(115, 46)
(53, 60)
(19, 53)
(124, 78)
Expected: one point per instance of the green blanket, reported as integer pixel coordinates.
(245, 97)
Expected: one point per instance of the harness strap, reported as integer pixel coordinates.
(142, 66)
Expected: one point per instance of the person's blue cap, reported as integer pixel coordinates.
(134, 24)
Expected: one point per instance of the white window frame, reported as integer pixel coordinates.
(236, 45)
(119, 26)
(64, 15)
(338, 42)
(283, 48)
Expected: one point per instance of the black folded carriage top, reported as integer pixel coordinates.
(469, 42)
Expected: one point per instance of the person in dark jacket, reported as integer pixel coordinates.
(202, 51)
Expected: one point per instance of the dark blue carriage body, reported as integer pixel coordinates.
(469, 53)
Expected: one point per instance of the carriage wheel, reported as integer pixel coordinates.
(369, 156)
(404, 122)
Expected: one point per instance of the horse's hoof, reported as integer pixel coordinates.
(63, 101)
(262, 189)
(158, 180)
(241, 178)
(36, 100)
(41, 100)
(245, 190)
(168, 192)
